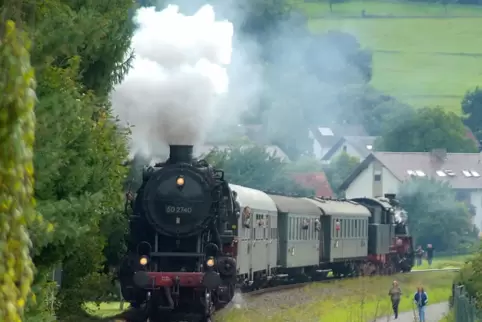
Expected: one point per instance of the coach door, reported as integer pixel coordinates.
(244, 256)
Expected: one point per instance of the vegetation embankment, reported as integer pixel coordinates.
(341, 301)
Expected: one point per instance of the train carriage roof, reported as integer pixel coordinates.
(297, 206)
(340, 207)
(383, 202)
(253, 198)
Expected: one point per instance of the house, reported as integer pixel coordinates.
(383, 172)
(324, 138)
(316, 181)
(273, 150)
(357, 146)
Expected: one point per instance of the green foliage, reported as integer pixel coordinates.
(262, 16)
(305, 164)
(370, 108)
(339, 169)
(252, 166)
(327, 93)
(424, 130)
(17, 134)
(471, 277)
(96, 32)
(472, 108)
(80, 52)
(435, 216)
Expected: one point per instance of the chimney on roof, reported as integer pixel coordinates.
(439, 155)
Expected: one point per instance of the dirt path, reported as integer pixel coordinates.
(433, 313)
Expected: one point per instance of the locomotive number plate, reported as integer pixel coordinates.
(178, 210)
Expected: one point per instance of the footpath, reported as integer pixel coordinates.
(433, 313)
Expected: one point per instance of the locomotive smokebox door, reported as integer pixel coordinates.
(177, 198)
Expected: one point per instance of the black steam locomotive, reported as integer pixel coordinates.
(179, 264)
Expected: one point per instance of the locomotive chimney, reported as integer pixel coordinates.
(390, 196)
(180, 153)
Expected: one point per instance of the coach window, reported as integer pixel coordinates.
(290, 235)
(350, 228)
(333, 228)
(265, 227)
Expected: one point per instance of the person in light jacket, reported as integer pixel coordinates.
(421, 299)
(395, 293)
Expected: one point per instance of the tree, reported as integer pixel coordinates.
(339, 169)
(79, 148)
(435, 216)
(307, 87)
(471, 277)
(252, 166)
(424, 130)
(17, 122)
(371, 108)
(472, 108)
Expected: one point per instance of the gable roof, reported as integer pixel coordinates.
(327, 136)
(398, 163)
(359, 143)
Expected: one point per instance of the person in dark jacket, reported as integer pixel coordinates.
(429, 254)
(419, 255)
(395, 294)
(421, 299)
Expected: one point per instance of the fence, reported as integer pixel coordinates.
(464, 306)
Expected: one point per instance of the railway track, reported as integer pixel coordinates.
(303, 284)
(285, 287)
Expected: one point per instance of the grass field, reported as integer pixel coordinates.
(317, 8)
(424, 61)
(445, 262)
(345, 301)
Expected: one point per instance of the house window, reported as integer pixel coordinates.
(377, 177)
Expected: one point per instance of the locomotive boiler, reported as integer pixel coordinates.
(182, 226)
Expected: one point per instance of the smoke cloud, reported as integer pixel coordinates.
(176, 85)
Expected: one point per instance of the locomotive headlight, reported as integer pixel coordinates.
(144, 260)
(210, 262)
(180, 181)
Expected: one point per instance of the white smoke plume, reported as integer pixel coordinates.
(172, 92)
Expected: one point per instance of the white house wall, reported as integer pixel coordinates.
(476, 201)
(390, 183)
(318, 150)
(363, 185)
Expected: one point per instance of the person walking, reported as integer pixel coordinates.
(429, 254)
(421, 299)
(395, 294)
(418, 255)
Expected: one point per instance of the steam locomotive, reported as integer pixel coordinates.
(194, 239)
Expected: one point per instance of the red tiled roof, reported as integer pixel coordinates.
(316, 181)
(470, 135)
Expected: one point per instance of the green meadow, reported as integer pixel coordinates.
(422, 54)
